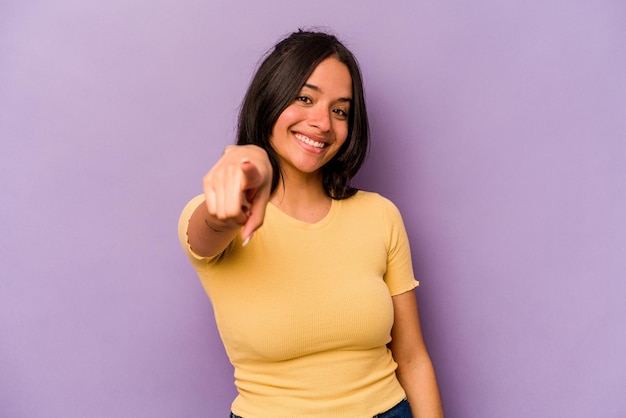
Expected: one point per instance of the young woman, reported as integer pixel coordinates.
(310, 279)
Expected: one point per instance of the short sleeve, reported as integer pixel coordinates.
(183, 226)
(399, 275)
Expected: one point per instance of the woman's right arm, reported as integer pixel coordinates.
(236, 192)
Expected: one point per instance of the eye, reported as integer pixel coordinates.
(304, 99)
(341, 114)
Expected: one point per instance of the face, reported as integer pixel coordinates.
(312, 129)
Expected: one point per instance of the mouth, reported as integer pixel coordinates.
(311, 142)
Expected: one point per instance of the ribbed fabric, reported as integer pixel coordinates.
(305, 311)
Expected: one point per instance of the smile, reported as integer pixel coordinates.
(310, 141)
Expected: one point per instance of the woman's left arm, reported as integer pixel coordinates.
(415, 369)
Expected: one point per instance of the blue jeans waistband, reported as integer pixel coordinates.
(401, 410)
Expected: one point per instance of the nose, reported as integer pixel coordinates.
(320, 118)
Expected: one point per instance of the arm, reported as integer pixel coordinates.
(236, 192)
(415, 369)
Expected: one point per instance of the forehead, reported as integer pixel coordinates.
(331, 77)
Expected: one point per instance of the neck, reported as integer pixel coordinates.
(302, 197)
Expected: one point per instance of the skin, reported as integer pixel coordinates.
(307, 135)
(415, 369)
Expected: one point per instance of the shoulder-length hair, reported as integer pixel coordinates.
(276, 85)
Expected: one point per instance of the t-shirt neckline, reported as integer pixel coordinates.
(334, 208)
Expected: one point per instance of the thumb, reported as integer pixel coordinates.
(255, 220)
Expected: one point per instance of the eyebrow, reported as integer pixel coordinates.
(319, 90)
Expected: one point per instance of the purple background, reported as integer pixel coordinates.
(499, 129)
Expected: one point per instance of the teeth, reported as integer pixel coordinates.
(309, 141)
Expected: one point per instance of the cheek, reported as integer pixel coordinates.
(289, 116)
(281, 124)
(341, 132)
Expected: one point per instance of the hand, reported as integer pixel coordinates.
(237, 189)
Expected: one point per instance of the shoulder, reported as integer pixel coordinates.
(363, 196)
(373, 201)
(372, 208)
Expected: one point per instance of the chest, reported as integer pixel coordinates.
(296, 293)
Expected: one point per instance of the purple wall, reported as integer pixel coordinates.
(499, 129)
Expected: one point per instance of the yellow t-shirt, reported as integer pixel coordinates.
(305, 312)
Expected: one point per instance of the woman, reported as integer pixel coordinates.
(311, 280)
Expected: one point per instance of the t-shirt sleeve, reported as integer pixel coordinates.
(399, 275)
(183, 226)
